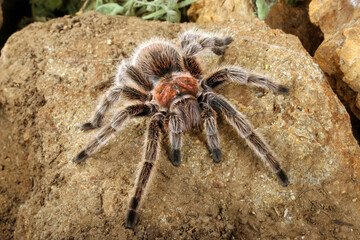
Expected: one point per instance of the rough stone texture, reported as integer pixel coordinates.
(207, 11)
(53, 74)
(338, 54)
(295, 20)
(15, 180)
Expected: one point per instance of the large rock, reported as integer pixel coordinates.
(338, 54)
(295, 20)
(50, 84)
(209, 11)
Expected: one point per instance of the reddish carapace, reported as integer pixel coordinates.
(170, 87)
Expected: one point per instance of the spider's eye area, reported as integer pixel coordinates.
(169, 88)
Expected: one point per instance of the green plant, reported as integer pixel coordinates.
(263, 7)
(169, 10)
(43, 10)
(292, 3)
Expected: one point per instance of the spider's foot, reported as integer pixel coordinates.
(219, 42)
(283, 90)
(175, 157)
(81, 156)
(228, 40)
(131, 219)
(219, 50)
(283, 178)
(87, 126)
(216, 154)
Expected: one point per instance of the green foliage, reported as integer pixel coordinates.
(292, 3)
(169, 10)
(110, 9)
(45, 9)
(262, 7)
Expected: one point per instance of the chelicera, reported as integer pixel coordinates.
(167, 84)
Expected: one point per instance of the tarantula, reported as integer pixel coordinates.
(167, 84)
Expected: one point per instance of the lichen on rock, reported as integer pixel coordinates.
(50, 85)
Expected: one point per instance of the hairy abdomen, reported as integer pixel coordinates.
(157, 59)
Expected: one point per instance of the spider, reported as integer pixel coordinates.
(166, 83)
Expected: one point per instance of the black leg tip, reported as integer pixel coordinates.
(283, 178)
(175, 157)
(283, 90)
(81, 156)
(87, 126)
(131, 219)
(228, 40)
(219, 50)
(216, 154)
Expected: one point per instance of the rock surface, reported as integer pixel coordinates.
(53, 75)
(338, 55)
(295, 20)
(207, 11)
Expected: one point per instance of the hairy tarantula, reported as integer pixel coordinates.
(167, 84)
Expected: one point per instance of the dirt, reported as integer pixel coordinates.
(15, 179)
(50, 84)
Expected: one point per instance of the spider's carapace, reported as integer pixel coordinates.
(171, 87)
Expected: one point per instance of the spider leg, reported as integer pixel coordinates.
(151, 154)
(208, 117)
(245, 130)
(195, 41)
(115, 125)
(119, 91)
(239, 75)
(176, 126)
(111, 97)
(138, 77)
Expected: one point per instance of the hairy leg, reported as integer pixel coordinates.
(138, 77)
(121, 90)
(195, 41)
(115, 125)
(112, 96)
(239, 75)
(151, 154)
(246, 131)
(176, 126)
(208, 117)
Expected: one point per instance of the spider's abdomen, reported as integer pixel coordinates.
(158, 59)
(170, 88)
